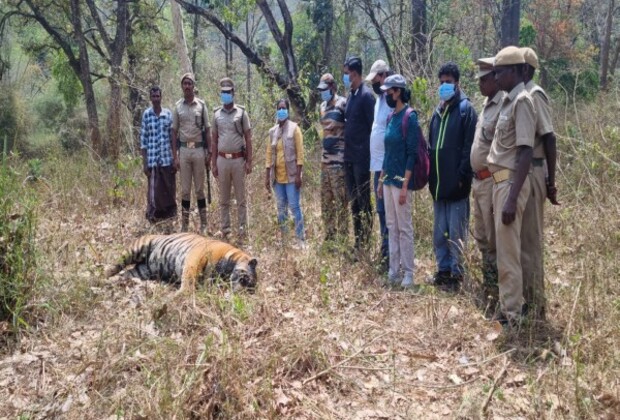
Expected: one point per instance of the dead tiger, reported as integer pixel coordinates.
(186, 257)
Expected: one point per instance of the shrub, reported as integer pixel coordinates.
(17, 248)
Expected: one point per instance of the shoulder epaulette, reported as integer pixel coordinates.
(240, 106)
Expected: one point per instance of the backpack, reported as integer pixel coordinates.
(421, 166)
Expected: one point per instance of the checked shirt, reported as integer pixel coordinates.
(155, 137)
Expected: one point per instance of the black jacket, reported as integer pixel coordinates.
(359, 115)
(450, 172)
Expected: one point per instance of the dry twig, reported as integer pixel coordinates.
(496, 381)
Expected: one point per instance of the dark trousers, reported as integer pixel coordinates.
(383, 230)
(357, 180)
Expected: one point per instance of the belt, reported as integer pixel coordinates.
(502, 175)
(234, 155)
(538, 161)
(191, 144)
(483, 174)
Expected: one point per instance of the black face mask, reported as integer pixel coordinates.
(377, 88)
(391, 102)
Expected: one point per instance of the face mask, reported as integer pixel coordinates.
(391, 102)
(226, 98)
(347, 81)
(282, 114)
(447, 91)
(326, 95)
(376, 87)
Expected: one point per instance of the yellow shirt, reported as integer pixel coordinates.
(280, 169)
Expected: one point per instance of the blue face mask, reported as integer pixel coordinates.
(347, 81)
(282, 114)
(447, 91)
(226, 98)
(326, 95)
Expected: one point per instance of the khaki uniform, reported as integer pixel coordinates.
(482, 188)
(515, 127)
(230, 126)
(532, 243)
(187, 121)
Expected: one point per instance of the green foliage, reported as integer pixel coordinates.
(17, 248)
(581, 83)
(12, 118)
(420, 99)
(66, 81)
(123, 178)
(527, 35)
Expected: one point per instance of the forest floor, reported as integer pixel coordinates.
(320, 338)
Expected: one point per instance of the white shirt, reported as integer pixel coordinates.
(377, 134)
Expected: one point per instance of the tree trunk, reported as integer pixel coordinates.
(605, 47)
(419, 32)
(511, 14)
(83, 72)
(179, 37)
(614, 59)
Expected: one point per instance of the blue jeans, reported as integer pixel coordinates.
(383, 230)
(288, 196)
(450, 228)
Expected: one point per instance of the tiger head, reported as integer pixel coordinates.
(244, 275)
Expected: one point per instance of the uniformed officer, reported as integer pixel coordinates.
(189, 120)
(543, 186)
(509, 161)
(232, 156)
(482, 186)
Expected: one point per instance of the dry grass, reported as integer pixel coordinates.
(320, 338)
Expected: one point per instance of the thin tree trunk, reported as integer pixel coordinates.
(179, 37)
(605, 47)
(511, 15)
(419, 31)
(83, 72)
(614, 60)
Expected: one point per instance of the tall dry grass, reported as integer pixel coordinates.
(320, 338)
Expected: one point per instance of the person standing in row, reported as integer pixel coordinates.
(359, 116)
(232, 157)
(482, 186)
(284, 161)
(451, 134)
(378, 73)
(509, 161)
(334, 203)
(189, 120)
(396, 180)
(160, 162)
(543, 186)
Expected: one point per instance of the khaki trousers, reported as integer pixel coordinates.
(508, 245)
(532, 244)
(192, 167)
(400, 226)
(484, 224)
(231, 174)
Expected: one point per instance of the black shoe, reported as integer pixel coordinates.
(441, 278)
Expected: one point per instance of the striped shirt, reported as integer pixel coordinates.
(332, 120)
(155, 137)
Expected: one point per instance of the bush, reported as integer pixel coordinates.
(12, 119)
(17, 248)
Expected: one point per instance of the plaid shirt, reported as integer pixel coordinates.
(155, 137)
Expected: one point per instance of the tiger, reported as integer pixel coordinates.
(187, 257)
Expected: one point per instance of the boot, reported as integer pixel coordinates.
(203, 220)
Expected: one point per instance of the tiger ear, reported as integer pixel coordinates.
(253, 263)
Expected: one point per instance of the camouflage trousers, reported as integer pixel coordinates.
(334, 202)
